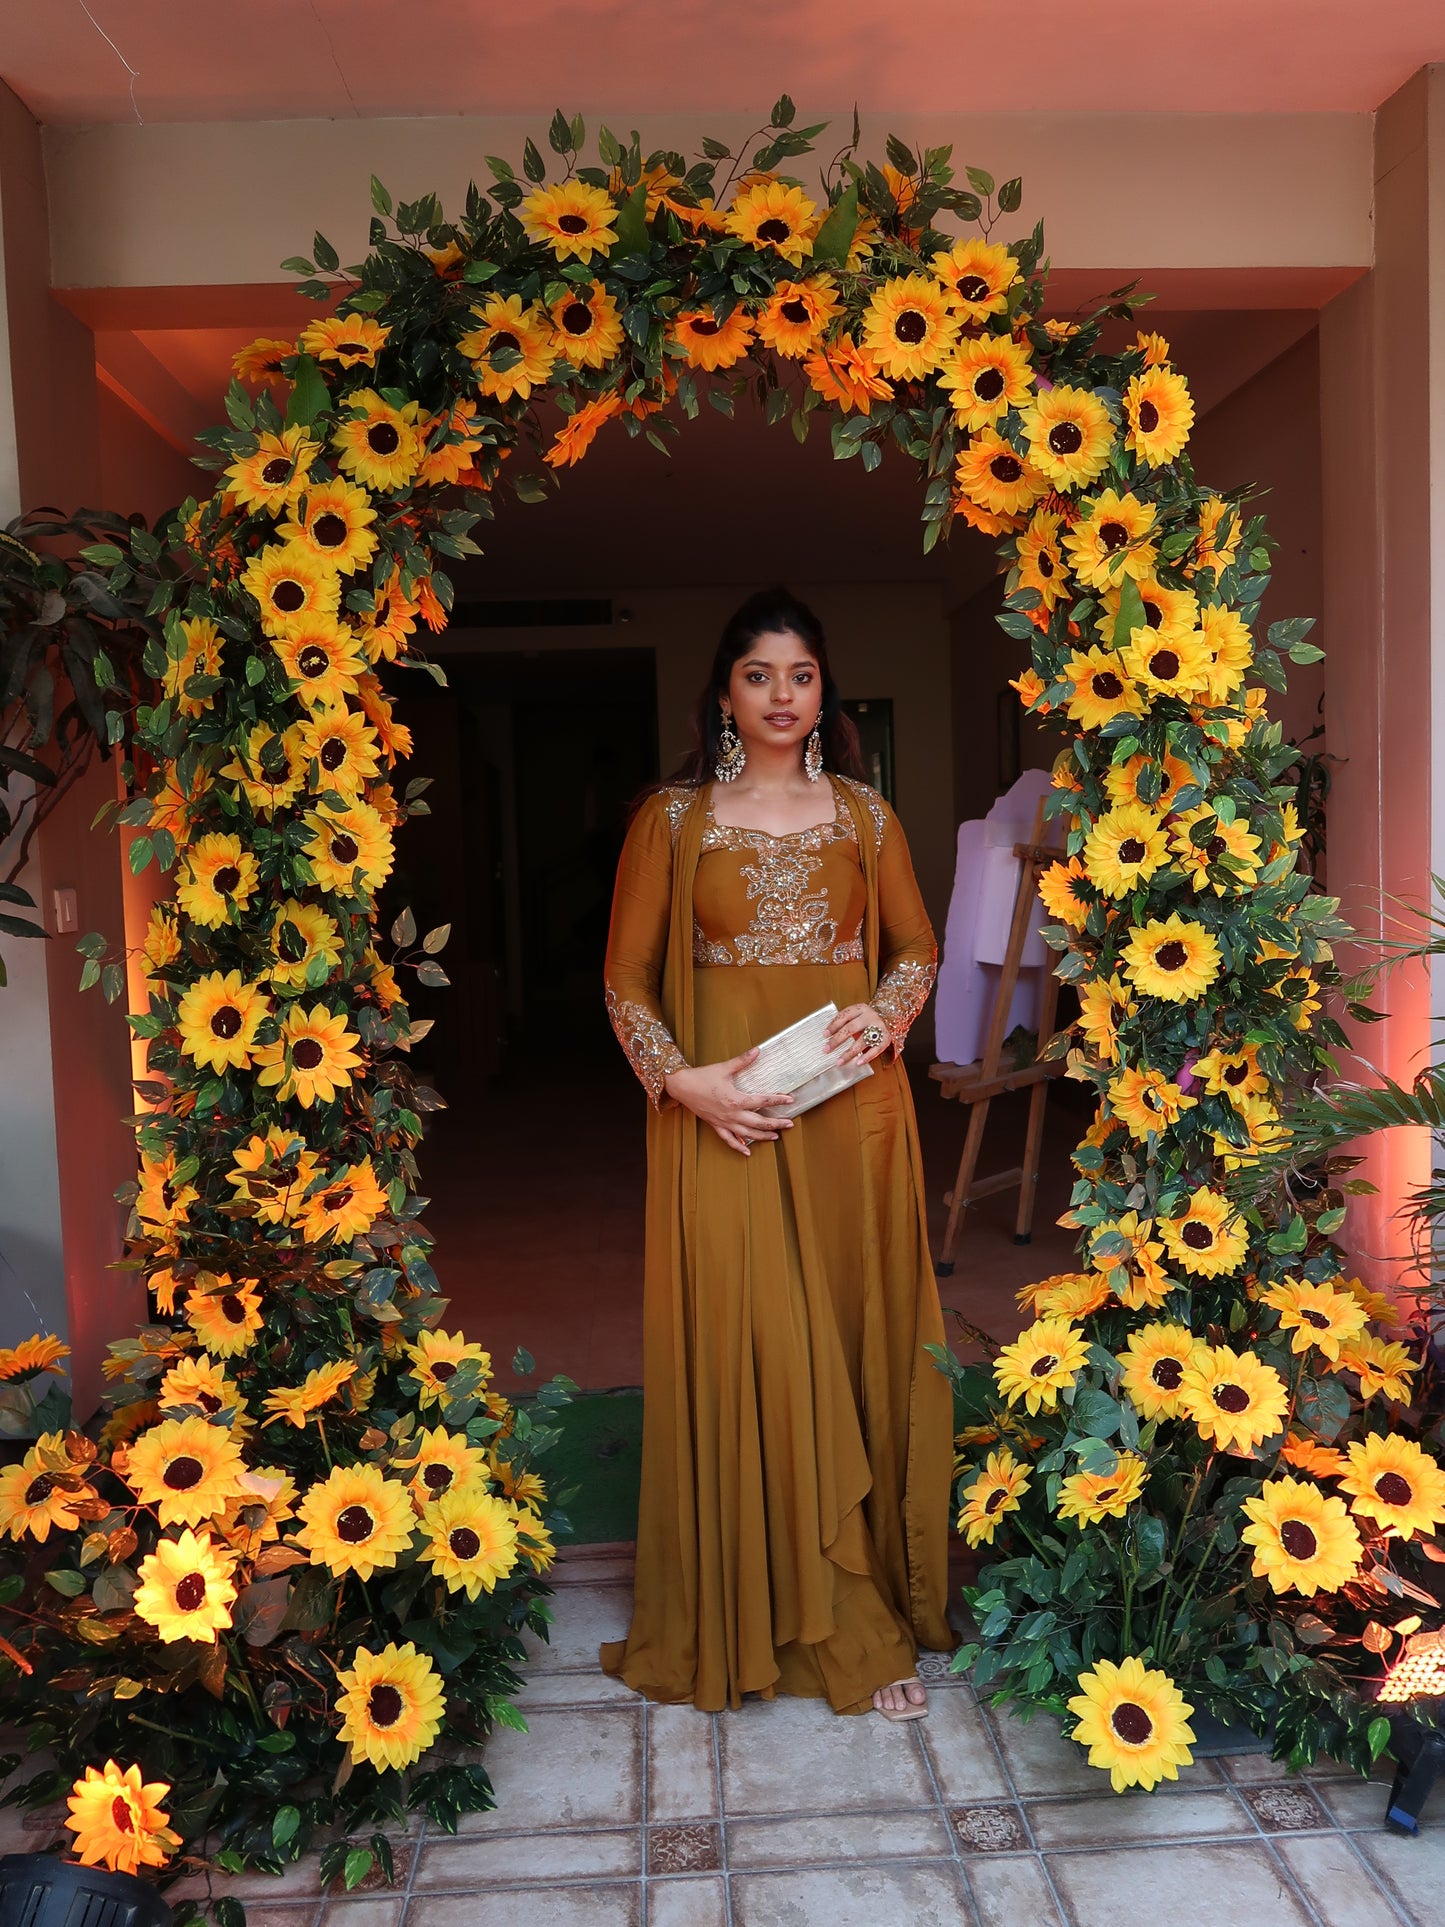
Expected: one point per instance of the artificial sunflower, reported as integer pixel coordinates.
(997, 1490)
(186, 1589)
(356, 1520)
(452, 440)
(118, 1820)
(1229, 646)
(534, 1541)
(846, 375)
(986, 521)
(1395, 1483)
(199, 1382)
(1381, 1367)
(707, 342)
(1040, 564)
(1148, 1283)
(1113, 540)
(227, 1317)
(1303, 1541)
(774, 218)
(350, 340)
(301, 935)
(345, 1207)
(391, 1707)
(313, 1058)
(1089, 1497)
(41, 1353)
(1070, 1295)
(1147, 1101)
(572, 218)
(296, 1403)
(276, 471)
(437, 1357)
(792, 320)
(269, 768)
(1124, 849)
(1168, 665)
(512, 348)
(333, 519)
(321, 658)
(261, 360)
(45, 1489)
(991, 473)
(588, 326)
(1060, 894)
(345, 748)
(977, 276)
(442, 1462)
(273, 1172)
(163, 1200)
(1142, 779)
(384, 628)
(1101, 1003)
(1101, 688)
(985, 377)
(187, 1468)
(524, 1489)
(218, 1018)
(1320, 1461)
(219, 877)
(378, 444)
(1160, 414)
(1173, 958)
(201, 656)
(1134, 1721)
(1210, 1239)
(471, 1539)
(254, 1518)
(909, 327)
(1315, 1315)
(162, 943)
(1155, 1360)
(290, 584)
(1044, 1361)
(1203, 842)
(1234, 1398)
(1070, 435)
(1219, 532)
(349, 849)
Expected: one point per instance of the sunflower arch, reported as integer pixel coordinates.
(294, 1440)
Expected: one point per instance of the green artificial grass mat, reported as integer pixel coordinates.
(593, 1469)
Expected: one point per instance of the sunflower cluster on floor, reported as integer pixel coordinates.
(1199, 1471)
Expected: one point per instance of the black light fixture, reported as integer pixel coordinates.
(1417, 1676)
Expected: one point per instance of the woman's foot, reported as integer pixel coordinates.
(905, 1699)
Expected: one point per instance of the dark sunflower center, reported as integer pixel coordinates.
(774, 231)
(313, 660)
(988, 384)
(226, 1022)
(1066, 438)
(1106, 685)
(1298, 1539)
(354, 1523)
(994, 1500)
(701, 325)
(333, 753)
(572, 223)
(1153, 615)
(39, 1490)
(344, 848)
(1131, 850)
(356, 349)
(1231, 1398)
(1167, 1374)
(1006, 468)
(1148, 417)
(436, 1478)
(795, 313)
(232, 1308)
(577, 317)
(1216, 846)
(183, 1473)
(1316, 1318)
(329, 531)
(291, 944)
(1197, 1236)
(208, 1401)
(1393, 1489)
(505, 340)
(168, 1190)
(1235, 1073)
(278, 470)
(1112, 535)
(1043, 1365)
(443, 1370)
(226, 879)
(1164, 664)
(288, 596)
(120, 1814)
(1105, 1492)
(382, 438)
(910, 326)
(306, 1054)
(191, 1592)
(464, 1543)
(1045, 564)
(384, 1705)
(972, 287)
(338, 1199)
(1172, 956)
(1132, 1724)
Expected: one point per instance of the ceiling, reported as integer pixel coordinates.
(87, 61)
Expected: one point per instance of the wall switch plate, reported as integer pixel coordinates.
(67, 915)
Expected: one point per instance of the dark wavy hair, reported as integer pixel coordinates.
(767, 612)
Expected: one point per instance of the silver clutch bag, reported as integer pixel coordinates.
(797, 1060)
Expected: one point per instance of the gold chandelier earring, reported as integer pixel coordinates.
(731, 755)
(813, 756)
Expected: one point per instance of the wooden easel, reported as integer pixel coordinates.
(978, 1083)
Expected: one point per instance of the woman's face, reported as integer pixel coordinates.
(775, 691)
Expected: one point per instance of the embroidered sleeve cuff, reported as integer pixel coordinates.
(649, 1045)
(902, 992)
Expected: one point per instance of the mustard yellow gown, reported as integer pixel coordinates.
(797, 1438)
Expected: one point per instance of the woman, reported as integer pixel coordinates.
(797, 1438)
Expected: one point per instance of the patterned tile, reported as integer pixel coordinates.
(990, 1829)
(683, 1849)
(1285, 1809)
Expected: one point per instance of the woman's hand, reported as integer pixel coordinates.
(740, 1118)
(852, 1029)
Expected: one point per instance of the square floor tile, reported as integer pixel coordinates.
(686, 1903)
(1114, 1819)
(1338, 1886)
(1412, 1870)
(582, 1618)
(1361, 1804)
(684, 1846)
(965, 1761)
(681, 1764)
(794, 1755)
(522, 1859)
(594, 1688)
(352, 1910)
(1176, 1886)
(536, 1906)
(901, 1896)
(577, 1766)
(820, 1838)
(1012, 1891)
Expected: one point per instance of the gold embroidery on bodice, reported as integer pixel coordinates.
(793, 920)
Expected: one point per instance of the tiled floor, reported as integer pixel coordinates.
(613, 1813)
